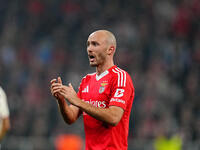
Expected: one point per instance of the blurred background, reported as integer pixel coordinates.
(158, 45)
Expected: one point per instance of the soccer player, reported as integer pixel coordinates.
(104, 98)
(4, 114)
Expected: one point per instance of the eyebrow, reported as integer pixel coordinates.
(92, 42)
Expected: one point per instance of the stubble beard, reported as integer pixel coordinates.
(100, 60)
(93, 65)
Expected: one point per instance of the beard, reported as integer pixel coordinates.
(100, 60)
(93, 65)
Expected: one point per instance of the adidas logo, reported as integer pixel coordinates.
(86, 89)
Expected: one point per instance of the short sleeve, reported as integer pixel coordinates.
(79, 93)
(121, 91)
(4, 112)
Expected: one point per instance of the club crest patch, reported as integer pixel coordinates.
(102, 88)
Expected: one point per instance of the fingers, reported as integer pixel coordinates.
(54, 87)
(59, 80)
(57, 88)
(70, 85)
(55, 84)
(53, 81)
(62, 92)
(54, 92)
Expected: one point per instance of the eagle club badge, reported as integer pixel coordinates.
(102, 88)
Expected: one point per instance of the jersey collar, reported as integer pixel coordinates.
(98, 77)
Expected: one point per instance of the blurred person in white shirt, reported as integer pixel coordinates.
(4, 114)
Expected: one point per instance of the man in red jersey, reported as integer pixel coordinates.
(104, 98)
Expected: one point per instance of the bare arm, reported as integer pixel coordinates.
(5, 127)
(69, 113)
(111, 115)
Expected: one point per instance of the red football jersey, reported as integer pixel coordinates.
(113, 87)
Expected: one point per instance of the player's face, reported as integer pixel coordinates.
(96, 48)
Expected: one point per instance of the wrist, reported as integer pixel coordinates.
(60, 100)
(77, 102)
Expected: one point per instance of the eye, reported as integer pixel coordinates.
(95, 43)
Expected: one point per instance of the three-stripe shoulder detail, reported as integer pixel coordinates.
(121, 76)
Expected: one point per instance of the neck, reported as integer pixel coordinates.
(101, 68)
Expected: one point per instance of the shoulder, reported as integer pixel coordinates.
(120, 76)
(117, 70)
(88, 76)
(119, 73)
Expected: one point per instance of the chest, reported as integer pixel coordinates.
(97, 92)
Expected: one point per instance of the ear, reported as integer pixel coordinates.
(111, 50)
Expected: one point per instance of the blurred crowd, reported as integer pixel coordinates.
(158, 44)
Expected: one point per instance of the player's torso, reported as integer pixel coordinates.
(96, 91)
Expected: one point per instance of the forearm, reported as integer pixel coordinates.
(68, 114)
(107, 115)
(111, 115)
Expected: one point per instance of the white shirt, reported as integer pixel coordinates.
(4, 112)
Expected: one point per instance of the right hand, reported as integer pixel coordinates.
(54, 92)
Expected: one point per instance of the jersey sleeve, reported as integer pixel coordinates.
(4, 111)
(121, 91)
(79, 93)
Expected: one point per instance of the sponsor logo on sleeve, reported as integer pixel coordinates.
(117, 100)
(119, 93)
